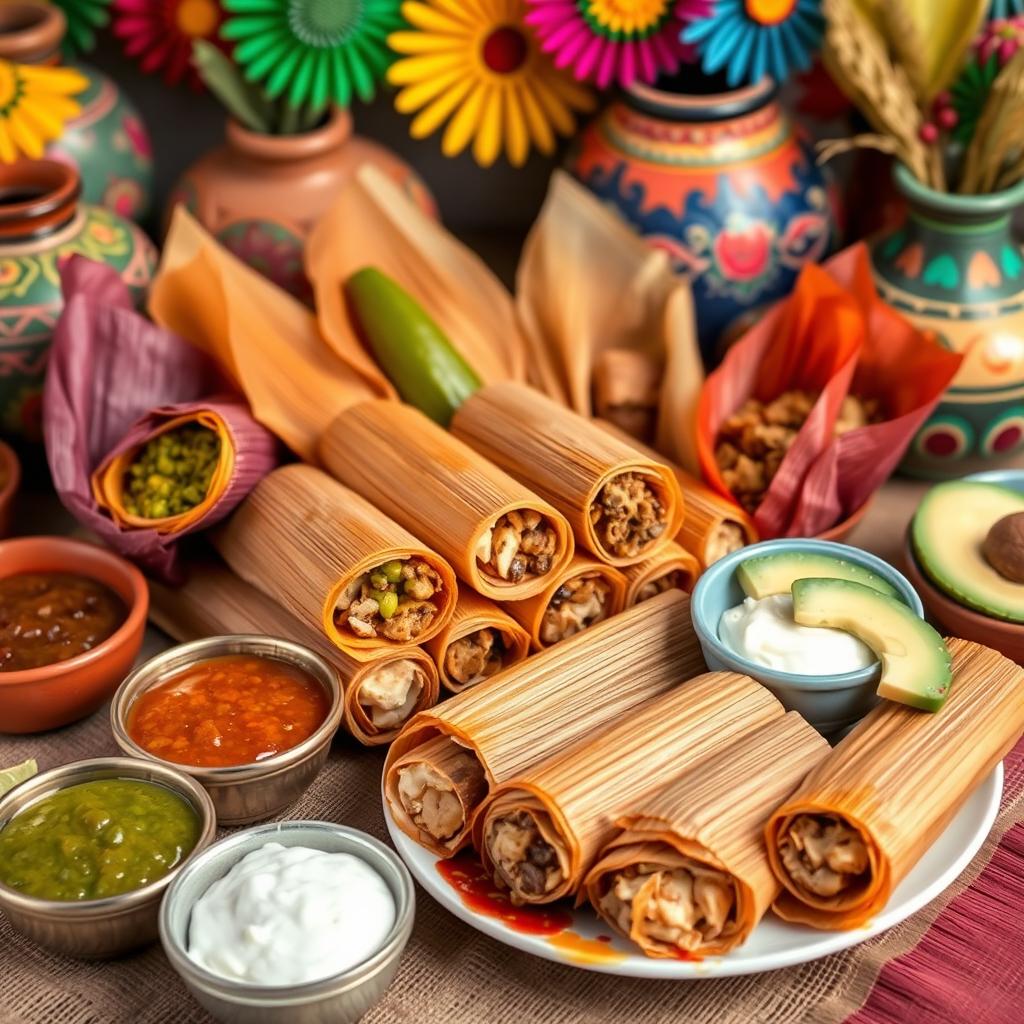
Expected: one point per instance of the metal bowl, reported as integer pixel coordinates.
(248, 792)
(338, 999)
(96, 929)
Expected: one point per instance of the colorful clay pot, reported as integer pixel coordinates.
(41, 223)
(955, 269)
(260, 195)
(721, 181)
(106, 142)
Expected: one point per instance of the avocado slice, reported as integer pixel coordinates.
(916, 668)
(764, 575)
(948, 532)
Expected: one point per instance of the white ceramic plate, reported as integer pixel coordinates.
(774, 943)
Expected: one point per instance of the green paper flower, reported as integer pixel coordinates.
(969, 93)
(314, 50)
(84, 17)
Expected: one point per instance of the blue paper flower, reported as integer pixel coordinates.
(753, 38)
(1005, 8)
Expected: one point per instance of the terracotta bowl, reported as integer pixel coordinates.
(10, 468)
(43, 698)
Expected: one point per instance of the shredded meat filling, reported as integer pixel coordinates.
(397, 600)
(628, 515)
(475, 657)
(523, 859)
(389, 694)
(437, 801)
(521, 544)
(675, 579)
(823, 855)
(577, 604)
(683, 907)
(726, 538)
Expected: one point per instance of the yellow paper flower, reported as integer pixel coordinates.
(475, 65)
(35, 104)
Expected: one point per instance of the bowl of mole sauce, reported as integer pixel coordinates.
(72, 617)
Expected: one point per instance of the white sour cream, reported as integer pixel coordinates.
(764, 632)
(290, 915)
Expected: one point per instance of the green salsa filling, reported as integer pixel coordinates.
(172, 472)
(96, 839)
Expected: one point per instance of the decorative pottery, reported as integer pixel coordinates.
(721, 181)
(41, 223)
(955, 269)
(106, 142)
(260, 195)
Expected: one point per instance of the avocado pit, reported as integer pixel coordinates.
(1004, 547)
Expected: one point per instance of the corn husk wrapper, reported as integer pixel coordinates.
(437, 487)
(671, 559)
(530, 612)
(374, 223)
(605, 316)
(265, 341)
(550, 701)
(813, 341)
(109, 367)
(712, 525)
(247, 453)
(473, 613)
(562, 457)
(214, 601)
(578, 794)
(302, 538)
(899, 778)
(714, 815)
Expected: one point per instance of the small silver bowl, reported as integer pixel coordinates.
(248, 792)
(338, 999)
(97, 929)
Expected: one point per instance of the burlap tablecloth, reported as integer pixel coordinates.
(451, 974)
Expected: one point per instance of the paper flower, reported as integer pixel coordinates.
(35, 104)
(83, 18)
(315, 51)
(607, 40)
(160, 33)
(1005, 8)
(998, 41)
(753, 38)
(476, 66)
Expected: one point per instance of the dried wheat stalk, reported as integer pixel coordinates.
(999, 136)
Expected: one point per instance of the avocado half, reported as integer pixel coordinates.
(916, 667)
(764, 575)
(947, 535)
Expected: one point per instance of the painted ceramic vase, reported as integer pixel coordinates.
(41, 223)
(260, 195)
(723, 183)
(955, 269)
(106, 142)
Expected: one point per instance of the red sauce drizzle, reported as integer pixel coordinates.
(466, 875)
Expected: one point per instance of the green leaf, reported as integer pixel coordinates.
(243, 101)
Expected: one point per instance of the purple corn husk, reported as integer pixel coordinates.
(110, 370)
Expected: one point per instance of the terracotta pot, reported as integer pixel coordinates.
(36, 699)
(956, 270)
(42, 222)
(719, 180)
(260, 195)
(106, 142)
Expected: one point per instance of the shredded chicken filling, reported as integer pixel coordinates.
(434, 800)
(726, 538)
(675, 579)
(523, 859)
(628, 515)
(397, 600)
(823, 855)
(475, 657)
(389, 694)
(684, 907)
(576, 604)
(520, 545)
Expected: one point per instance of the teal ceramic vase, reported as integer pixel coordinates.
(42, 222)
(106, 142)
(955, 269)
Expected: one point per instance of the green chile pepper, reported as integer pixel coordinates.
(410, 348)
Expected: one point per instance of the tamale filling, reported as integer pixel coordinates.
(389, 694)
(397, 600)
(523, 859)
(575, 605)
(521, 545)
(726, 537)
(628, 515)
(437, 801)
(823, 855)
(674, 579)
(476, 656)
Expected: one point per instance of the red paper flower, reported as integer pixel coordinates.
(160, 33)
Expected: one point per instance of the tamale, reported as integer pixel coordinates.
(673, 568)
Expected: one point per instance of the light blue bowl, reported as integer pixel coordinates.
(829, 703)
